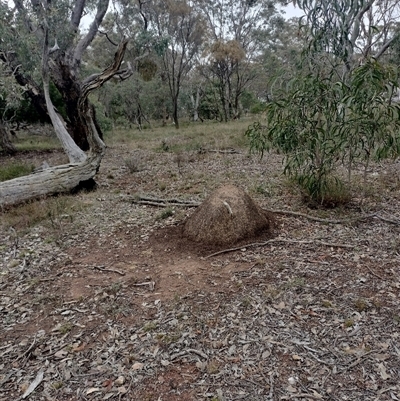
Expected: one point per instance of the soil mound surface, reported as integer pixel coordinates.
(226, 217)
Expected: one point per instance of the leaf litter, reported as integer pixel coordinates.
(111, 305)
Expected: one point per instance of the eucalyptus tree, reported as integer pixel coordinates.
(352, 30)
(182, 28)
(337, 108)
(196, 90)
(11, 95)
(279, 58)
(236, 38)
(43, 43)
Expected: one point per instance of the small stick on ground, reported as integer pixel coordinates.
(320, 220)
(146, 200)
(151, 284)
(104, 269)
(306, 395)
(28, 350)
(373, 273)
(288, 241)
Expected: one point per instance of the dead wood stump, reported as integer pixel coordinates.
(226, 217)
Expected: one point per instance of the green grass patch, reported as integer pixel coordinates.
(164, 214)
(55, 211)
(14, 170)
(27, 143)
(189, 137)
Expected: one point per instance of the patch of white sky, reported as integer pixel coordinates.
(291, 11)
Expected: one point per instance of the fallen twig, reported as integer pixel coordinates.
(255, 383)
(306, 395)
(171, 200)
(387, 220)
(385, 390)
(145, 200)
(151, 284)
(271, 386)
(28, 350)
(321, 220)
(187, 351)
(288, 241)
(358, 360)
(332, 221)
(6, 379)
(197, 352)
(104, 269)
(224, 151)
(373, 273)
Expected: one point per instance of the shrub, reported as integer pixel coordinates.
(134, 164)
(322, 121)
(168, 212)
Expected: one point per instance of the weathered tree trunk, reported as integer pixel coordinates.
(175, 112)
(195, 104)
(165, 114)
(70, 90)
(50, 181)
(5, 142)
(82, 166)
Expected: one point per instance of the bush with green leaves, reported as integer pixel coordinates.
(303, 125)
(323, 120)
(371, 120)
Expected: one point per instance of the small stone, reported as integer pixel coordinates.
(137, 366)
(122, 390)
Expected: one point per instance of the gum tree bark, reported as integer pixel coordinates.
(82, 166)
(66, 56)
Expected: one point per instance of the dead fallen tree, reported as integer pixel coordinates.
(53, 180)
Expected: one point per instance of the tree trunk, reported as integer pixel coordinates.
(70, 90)
(53, 180)
(82, 167)
(195, 104)
(5, 142)
(175, 113)
(78, 131)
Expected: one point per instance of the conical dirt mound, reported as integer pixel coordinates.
(227, 216)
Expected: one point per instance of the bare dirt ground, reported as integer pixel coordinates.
(103, 299)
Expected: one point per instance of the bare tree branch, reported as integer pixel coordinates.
(74, 153)
(108, 38)
(386, 46)
(108, 73)
(77, 12)
(82, 45)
